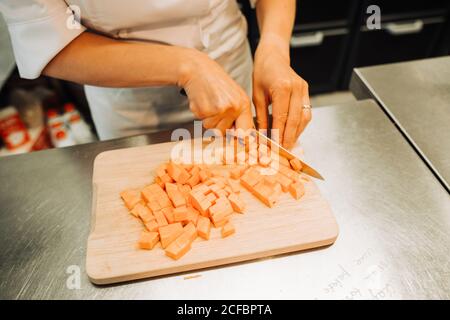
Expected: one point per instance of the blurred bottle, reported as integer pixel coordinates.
(29, 107)
(12, 129)
(78, 127)
(59, 134)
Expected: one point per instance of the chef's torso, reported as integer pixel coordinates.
(212, 26)
(40, 29)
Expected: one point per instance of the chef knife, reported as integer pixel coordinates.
(288, 155)
(307, 169)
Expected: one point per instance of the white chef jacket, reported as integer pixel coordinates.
(40, 29)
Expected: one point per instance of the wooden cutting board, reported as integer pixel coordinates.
(112, 253)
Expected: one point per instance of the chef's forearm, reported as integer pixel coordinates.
(275, 21)
(98, 60)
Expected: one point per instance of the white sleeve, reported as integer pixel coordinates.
(39, 30)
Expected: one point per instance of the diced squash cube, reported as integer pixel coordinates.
(264, 161)
(203, 175)
(192, 216)
(180, 214)
(228, 229)
(237, 203)
(131, 198)
(160, 218)
(234, 185)
(284, 181)
(154, 205)
(143, 212)
(296, 164)
(178, 248)
(297, 190)
(148, 240)
(161, 170)
(194, 179)
(151, 226)
(177, 173)
(151, 192)
(169, 233)
(203, 227)
(182, 244)
(168, 213)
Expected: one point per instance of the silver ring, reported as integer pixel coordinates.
(306, 106)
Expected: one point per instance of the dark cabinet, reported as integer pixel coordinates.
(324, 12)
(317, 57)
(398, 41)
(394, 9)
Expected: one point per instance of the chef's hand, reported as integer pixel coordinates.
(214, 96)
(274, 82)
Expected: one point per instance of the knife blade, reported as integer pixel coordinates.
(307, 169)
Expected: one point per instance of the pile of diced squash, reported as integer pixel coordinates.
(185, 200)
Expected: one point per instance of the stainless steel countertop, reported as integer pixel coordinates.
(416, 95)
(394, 219)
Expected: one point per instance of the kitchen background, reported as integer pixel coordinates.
(330, 38)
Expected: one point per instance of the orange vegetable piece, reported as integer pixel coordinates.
(296, 164)
(187, 166)
(283, 161)
(165, 178)
(161, 170)
(160, 218)
(211, 197)
(284, 181)
(200, 202)
(297, 190)
(228, 229)
(131, 198)
(151, 192)
(264, 161)
(163, 200)
(178, 248)
(236, 172)
(169, 233)
(194, 179)
(192, 216)
(148, 240)
(202, 189)
(159, 181)
(190, 231)
(152, 226)
(288, 172)
(177, 172)
(270, 181)
(168, 213)
(180, 214)
(175, 195)
(237, 203)
(203, 175)
(136, 209)
(221, 210)
(203, 227)
(154, 205)
(250, 178)
(234, 185)
(182, 244)
(194, 170)
(221, 223)
(143, 212)
(266, 194)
